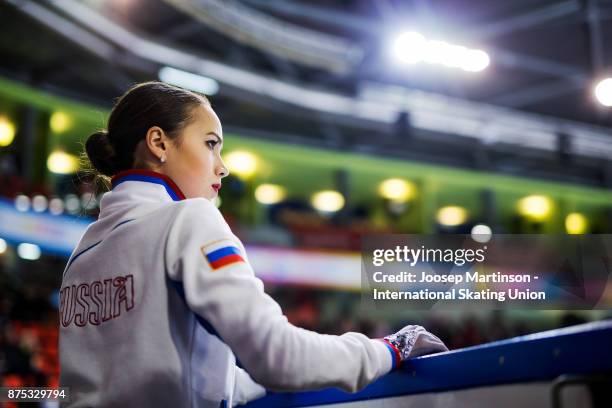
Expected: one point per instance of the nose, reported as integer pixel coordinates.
(222, 170)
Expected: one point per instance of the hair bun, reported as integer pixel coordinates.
(101, 153)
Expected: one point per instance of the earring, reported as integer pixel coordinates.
(162, 159)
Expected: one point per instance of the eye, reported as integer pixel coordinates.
(212, 143)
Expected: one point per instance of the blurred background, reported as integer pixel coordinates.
(341, 118)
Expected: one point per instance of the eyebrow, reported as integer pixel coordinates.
(216, 135)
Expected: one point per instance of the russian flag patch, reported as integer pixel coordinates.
(220, 257)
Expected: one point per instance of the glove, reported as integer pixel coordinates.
(413, 341)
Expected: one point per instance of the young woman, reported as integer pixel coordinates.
(158, 300)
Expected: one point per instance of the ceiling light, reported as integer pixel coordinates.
(269, 193)
(603, 92)
(184, 79)
(396, 189)
(536, 207)
(412, 47)
(27, 251)
(328, 201)
(60, 122)
(241, 163)
(576, 223)
(481, 233)
(60, 162)
(7, 131)
(451, 216)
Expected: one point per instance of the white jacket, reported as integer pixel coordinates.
(158, 298)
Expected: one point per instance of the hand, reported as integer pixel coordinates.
(414, 341)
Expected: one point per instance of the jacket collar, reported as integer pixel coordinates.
(149, 176)
(134, 191)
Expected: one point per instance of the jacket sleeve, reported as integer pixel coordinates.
(224, 291)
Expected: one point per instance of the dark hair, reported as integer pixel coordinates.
(143, 106)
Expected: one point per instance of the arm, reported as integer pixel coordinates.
(275, 353)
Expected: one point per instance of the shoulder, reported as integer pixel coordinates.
(199, 215)
(196, 223)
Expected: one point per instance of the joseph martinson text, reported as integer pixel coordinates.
(404, 279)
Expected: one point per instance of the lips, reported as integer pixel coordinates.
(216, 187)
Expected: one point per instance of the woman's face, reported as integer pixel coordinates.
(194, 163)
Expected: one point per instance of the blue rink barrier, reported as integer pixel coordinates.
(578, 350)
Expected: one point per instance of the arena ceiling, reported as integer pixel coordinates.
(545, 59)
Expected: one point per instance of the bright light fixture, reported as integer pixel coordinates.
(241, 163)
(60, 122)
(184, 79)
(396, 189)
(481, 233)
(3, 246)
(60, 162)
(576, 223)
(7, 131)
(603, 92)
(475, 61)
(22, 203)
(270, 193)
(536, 207)
(39, 203)
(27, 251)
(451, 215)
(56, 206)
(328, 201)
(412, 47)
(72, 204)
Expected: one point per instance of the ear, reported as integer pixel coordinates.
(157, 142)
